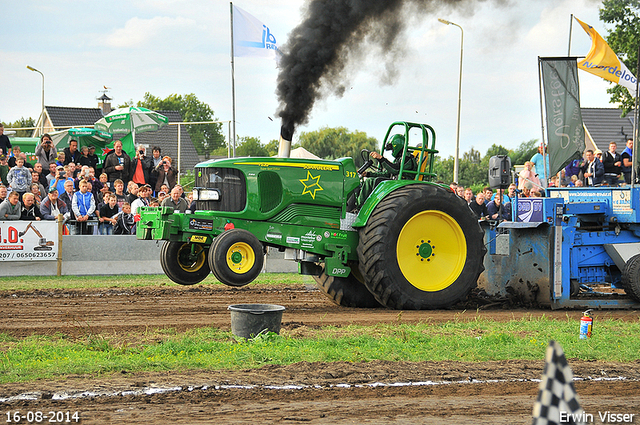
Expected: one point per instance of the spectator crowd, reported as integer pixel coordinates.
(65, 183)
(487, 204)
(92, 199)
(595, 169)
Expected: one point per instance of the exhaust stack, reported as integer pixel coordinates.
(286, 135)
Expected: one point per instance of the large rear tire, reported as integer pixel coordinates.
(631, 277)
(422, 248)
(236, 257)
(347, 291)
(182, 265)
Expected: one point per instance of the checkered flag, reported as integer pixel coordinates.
(557, 399)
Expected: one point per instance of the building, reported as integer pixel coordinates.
(604, 125)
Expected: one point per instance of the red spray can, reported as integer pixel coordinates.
(586, 324)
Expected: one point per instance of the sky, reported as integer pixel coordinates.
(169, 47)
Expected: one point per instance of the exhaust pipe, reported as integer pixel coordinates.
(286, 135)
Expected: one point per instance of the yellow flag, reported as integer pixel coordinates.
(603, 62)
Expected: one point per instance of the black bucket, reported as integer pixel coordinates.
(248, 320)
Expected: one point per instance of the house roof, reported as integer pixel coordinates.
(166, 138)
(62, 116)
(604, 125)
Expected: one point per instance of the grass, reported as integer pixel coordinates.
(53, 357)
(26, 283)
(38, 357)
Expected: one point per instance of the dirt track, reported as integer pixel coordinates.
(325, 393)
(76, 312)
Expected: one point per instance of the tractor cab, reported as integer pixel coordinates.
(412, 150)
(420, 142)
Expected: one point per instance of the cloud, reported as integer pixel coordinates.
(138, 32)
(550, 35)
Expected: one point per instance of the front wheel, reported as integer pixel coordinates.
(422, 248)
(184, 263)
(236, 257)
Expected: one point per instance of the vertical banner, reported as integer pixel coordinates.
(565, 131)
(28, 240)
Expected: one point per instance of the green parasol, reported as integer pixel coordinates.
(84, 136)
(131, 120)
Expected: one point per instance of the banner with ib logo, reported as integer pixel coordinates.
(250, 36)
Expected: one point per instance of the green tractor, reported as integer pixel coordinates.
(412, 244)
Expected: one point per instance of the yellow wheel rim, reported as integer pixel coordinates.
(191, 262)
(431, 250)
(240, 257)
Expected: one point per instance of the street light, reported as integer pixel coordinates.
(457, 160)
(42, 113)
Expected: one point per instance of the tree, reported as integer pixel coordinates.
(473, 166)
(250, 146)
(220, 152)
(493, 151)
(205, 137)
(332, 143)
(272, 147)
(623, 39)
(473, 156)
(443, 167)
(472, 172)
(524, 152)
(22, 123)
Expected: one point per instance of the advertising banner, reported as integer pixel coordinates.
(28, 240)
(530, 210)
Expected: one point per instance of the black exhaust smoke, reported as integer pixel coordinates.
(286, 131)
(331, 36)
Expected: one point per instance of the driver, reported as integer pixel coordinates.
(390, 169)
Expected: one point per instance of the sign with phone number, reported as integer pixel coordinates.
(28, 240)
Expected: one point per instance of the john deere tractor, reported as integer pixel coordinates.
(412, 244)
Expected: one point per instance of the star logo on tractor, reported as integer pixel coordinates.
(311, 185)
